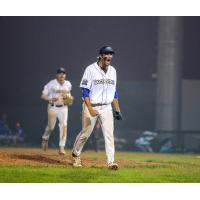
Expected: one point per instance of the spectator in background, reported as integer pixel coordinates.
(19, 134)
(5, 131)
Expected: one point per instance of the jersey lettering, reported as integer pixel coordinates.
(103, 81)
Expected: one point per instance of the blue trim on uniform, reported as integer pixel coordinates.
(116, 95)
(85, 92)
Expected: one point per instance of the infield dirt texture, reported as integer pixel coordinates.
(33, 165)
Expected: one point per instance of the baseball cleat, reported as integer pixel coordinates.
(62, 151)
(113, 166)
(44, 144)
(77, 161)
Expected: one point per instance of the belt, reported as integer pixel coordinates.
(58, 106)
(98, 104)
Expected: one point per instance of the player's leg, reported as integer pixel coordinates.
(88, 123)
(52, 115)
(107, 124)
(62, 117)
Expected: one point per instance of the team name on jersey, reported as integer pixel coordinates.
(103, 81)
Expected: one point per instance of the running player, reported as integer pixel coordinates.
(55, 92)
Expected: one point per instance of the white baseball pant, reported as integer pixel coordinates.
(88, 122)
(62, 114)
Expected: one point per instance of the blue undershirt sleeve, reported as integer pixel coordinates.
(116, 95)
(85, 92)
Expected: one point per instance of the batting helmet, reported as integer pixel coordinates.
(106, 50)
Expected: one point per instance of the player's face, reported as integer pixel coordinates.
(61, 77)
(106, 59)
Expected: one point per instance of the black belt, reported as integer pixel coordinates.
(98, 104)
(58, 106)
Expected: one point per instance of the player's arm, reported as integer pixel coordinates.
(85, 87)
(68, 94)
(85, 95)
(45, 95)
(49, 99)
(115, 102)
(116, 109)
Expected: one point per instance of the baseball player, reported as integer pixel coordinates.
(57, 93)
(99, 94)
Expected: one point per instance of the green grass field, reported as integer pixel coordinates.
(140, 168)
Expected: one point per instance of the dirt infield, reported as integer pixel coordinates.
(37, 157)
(31, 156)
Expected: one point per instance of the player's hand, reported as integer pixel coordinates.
(54, 99)
(117, 115)
(93, 112)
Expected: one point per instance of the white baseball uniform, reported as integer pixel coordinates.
(57, 109)
(102, 88)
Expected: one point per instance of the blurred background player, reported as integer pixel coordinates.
(99, 92)
(5, 131)
(55, 93)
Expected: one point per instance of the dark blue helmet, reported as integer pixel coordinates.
(106, 50)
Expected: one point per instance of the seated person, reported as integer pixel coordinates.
(19, 133)
(4, 129)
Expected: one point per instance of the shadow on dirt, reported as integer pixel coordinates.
(42, 159)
